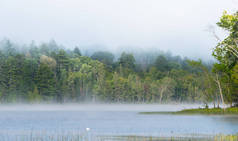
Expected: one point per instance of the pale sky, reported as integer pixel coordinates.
(175, 25)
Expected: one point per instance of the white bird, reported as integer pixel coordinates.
(87, 129)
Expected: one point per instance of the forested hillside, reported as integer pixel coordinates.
(50, 73)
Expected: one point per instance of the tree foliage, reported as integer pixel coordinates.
(48, 72)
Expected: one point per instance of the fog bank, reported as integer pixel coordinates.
(97, 107)
(179, 26)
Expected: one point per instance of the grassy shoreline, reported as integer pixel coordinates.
(201, 111)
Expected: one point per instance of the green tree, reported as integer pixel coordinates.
(45, 81)
(162, 64)
(33, 96)
(166, 88)
(104, 57)
(77, 52)
(127, 61)
(226, 51)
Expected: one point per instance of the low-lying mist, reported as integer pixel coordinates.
(51, 73)
(96, 107)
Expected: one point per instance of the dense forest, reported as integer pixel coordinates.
(49, 72)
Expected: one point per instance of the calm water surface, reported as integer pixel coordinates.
(109, 120)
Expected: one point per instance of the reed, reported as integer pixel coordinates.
(76, 136)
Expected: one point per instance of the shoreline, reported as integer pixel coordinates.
(198, 111)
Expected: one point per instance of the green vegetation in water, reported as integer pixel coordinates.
(150, 138)
(206, 111)
(121, 138)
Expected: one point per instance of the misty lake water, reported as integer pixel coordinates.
(110, 120)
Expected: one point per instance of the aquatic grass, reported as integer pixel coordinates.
(226, 138)
(151, 138)
(204, 111)
(44, 136)
(84, 137)
(215, 111)
(76, 135)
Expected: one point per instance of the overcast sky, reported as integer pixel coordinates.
(175, 25)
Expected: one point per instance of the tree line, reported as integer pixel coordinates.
(50, 73)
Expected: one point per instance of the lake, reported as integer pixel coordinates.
(19, 121)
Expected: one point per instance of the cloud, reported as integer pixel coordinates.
(168, 25)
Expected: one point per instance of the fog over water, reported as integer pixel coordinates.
(26, 121)
(146, 28)
(97, 107)
(178, 26)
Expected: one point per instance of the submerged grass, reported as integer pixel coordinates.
(226, 138)
(123, 138)
(80, 137)
(203, 111)
(147, 138)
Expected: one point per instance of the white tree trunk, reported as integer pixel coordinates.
(220, 90)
